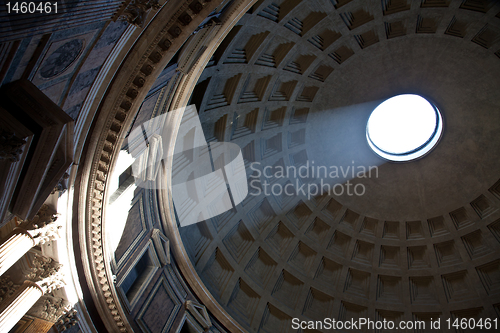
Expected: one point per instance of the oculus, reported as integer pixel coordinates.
(404, 128)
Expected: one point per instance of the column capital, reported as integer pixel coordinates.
(42, 228)
(46, 274)
(39, 230)
(45, 234)
(45, 215)
(49, 308)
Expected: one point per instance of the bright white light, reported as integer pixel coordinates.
(118, 210)
(404, 127)
(124, 161)
(118, 213)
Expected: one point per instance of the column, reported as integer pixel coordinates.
(17, 244)
(21, 241)
(45, 278)
(28, 294)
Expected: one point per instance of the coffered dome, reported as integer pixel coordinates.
(293, 84)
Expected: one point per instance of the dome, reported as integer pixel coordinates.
(259, 166)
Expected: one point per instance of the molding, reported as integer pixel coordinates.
(199, 312)
(149, 248)
(192, 322)
(166, 33)
(162, 246)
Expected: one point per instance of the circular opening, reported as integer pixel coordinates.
(404, 127)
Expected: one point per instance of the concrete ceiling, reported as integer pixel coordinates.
(296, 82)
